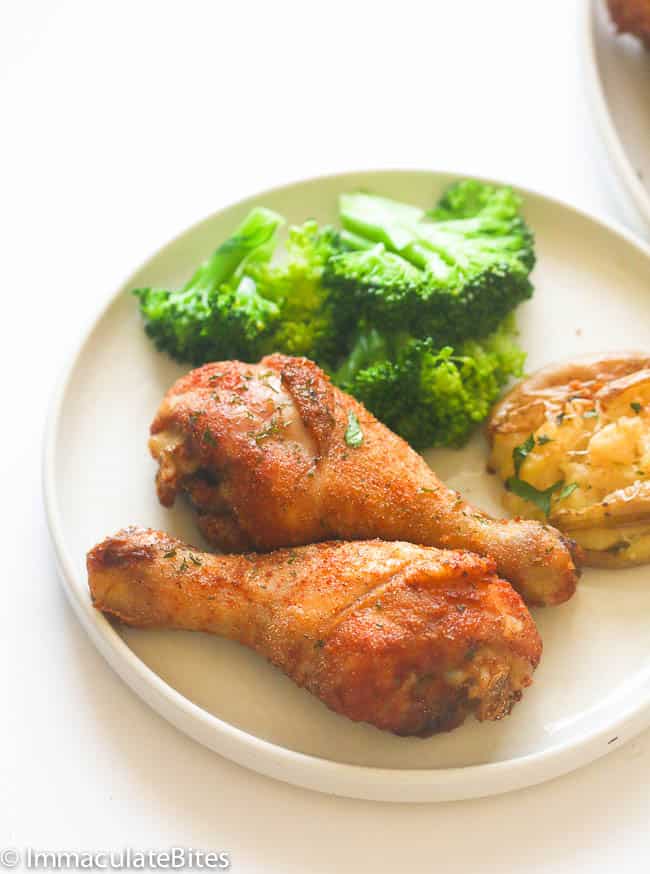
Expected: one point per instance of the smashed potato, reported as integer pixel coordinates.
(572, 445)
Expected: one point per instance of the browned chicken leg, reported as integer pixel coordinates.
(408, 638)
(632, 16)
(271, 456)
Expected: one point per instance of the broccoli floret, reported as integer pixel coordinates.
(218, 312)
(447, 275)
(240, 305)
(308, 325)
(431, 396)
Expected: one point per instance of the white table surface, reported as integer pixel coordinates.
(121, 123)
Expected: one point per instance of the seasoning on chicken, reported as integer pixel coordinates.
(273, 455)
(408, 638)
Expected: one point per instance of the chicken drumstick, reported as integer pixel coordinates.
(272, 454)
(408, 638)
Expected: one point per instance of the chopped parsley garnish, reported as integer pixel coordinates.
(353, 433)
(209, 437)
(264, 377)
(590, 414)
(541, 499)
(521, 452)
(568, 489)
(636, 406)
(543, 440)
(271, 428)
(184, 566)
(170, 554)
(195, 560)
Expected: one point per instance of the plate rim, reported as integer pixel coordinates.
(604, 119)
(263, 756)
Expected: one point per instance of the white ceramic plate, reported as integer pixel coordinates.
(618, 76)
(592, 690)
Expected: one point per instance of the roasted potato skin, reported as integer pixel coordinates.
(632, 16)
(527, 404)
(590, 419)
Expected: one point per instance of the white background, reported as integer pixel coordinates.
(121, 123)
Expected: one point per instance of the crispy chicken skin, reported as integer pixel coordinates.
(408, 638)
(261, 450)
(632, 16)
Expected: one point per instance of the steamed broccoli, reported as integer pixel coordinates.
(449, 274)
(239, 305)
(308, 324)
(431, 396)
(218, 310)
(407, 310)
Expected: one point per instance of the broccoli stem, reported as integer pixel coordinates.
(396, 225)
(350, 240)
(369, 348)
(254, 236)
